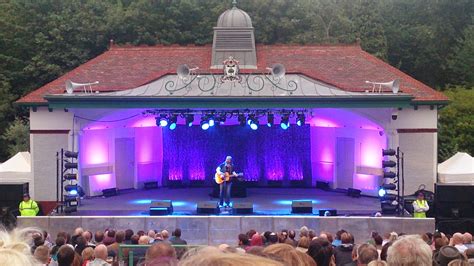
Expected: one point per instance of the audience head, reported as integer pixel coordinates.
(120, 237)
(87, 236)
(87, 254)
(66, 255)
(457, 239)
(320, 250)
(14, 247)
(78, 231)
(383, 253)
(144, 240)
(291, 234)
(304, 231)
(256, 240)
(177, 232)
(99, 237)
(409, 250)
(42, 254)
(160, 250)
(165, 234)
(243, 240)
(366, 253)
(212, 256)
(250, 233)
(286, 253)
(141, 233)
(378, 240)
(346, 238)
(134, 239)
(100, 252)
(128, 234)
(304, 242)
(272, 238)
(151, 234)
(447, 254)
(467, 237)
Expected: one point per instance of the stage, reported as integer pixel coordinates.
(272, 212)
(266, 201)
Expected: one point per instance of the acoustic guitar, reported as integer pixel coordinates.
(225, 177)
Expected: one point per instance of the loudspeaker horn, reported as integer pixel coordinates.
(278, 71)
(71, 86)
(183, 71)
(393, 85)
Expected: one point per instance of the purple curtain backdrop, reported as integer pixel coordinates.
(266, 154)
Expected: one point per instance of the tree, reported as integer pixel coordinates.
(461, 64)
(17, 137)
(456, 124)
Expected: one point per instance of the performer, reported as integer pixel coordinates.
(420, 206)
(224, 173)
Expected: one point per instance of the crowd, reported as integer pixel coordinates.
(84, 248)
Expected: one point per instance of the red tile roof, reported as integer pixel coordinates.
(344, 66)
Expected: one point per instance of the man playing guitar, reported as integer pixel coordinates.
(224, 175)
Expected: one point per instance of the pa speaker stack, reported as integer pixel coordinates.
(161, 207)
(302, 206)
(208, 207)
(242, 208)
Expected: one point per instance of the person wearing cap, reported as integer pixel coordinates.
(420, 206)
(28, 207)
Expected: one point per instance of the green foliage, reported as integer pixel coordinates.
(456, 124)
(17, 135)
(462, 62)
(40, 40)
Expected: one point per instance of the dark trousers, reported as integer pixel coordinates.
(224, 193)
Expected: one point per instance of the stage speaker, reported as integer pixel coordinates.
(242, 208)
(208, 207)
(109, 192)
(327, 212)
(301, 206)
(352, 192)
(161, 207)
(150, 185)
(454, 201)
(12, 194)
(323, 185)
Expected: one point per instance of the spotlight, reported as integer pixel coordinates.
(189, 120)
(211, 121)
(71, 189)
(270, 119)
(389, 186)
(254, 123)
(382, 192)
(173, 120)
(221, 119)
(204, 124)
(162, 121)
(300, 120)
(241, 119)
(285, 121)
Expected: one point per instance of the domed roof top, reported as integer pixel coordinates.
(234, 18)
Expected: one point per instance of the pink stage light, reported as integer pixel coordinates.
(322, 122)
(95, 147)
(144, 122)
(100, 182)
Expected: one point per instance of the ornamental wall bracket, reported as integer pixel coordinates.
(274, 77)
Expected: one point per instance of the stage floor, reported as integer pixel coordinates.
(266, 201)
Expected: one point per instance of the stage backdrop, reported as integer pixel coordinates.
(267, 154)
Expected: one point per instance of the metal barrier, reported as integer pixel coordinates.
(131, 255)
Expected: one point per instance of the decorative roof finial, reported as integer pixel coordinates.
(234, 3)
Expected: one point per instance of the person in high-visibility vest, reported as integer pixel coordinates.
(420, 206)
(28, 207)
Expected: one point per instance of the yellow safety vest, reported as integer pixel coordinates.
(29, 208)
(420, 214)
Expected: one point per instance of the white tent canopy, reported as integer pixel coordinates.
(457, 169)
(17, 169)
